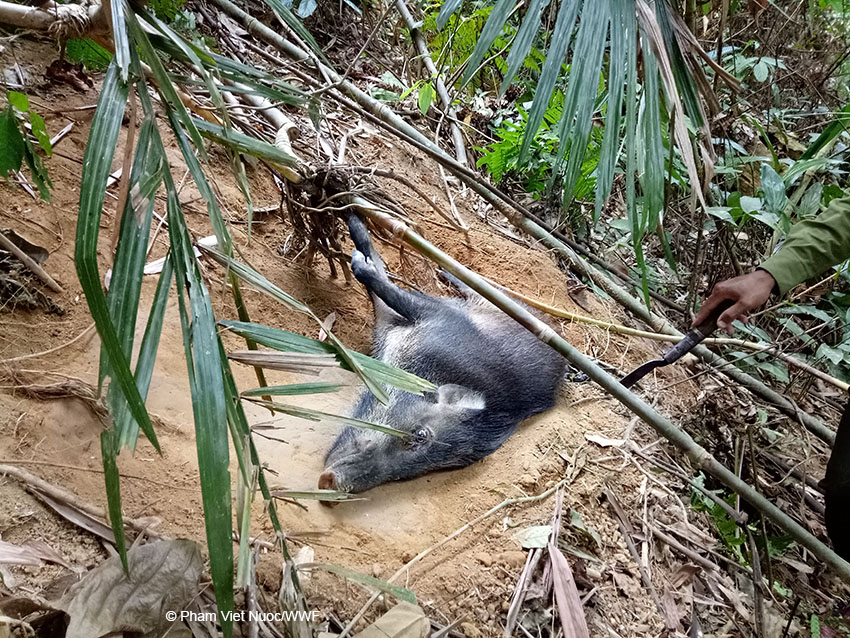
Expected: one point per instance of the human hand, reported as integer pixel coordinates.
(748, 292)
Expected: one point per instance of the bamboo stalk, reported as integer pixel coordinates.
(699, 456)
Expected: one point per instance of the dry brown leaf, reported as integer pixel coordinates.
(78, 517)
(405, 620)
(163, 577)
(567, 599)
(11, 554)
(684, 575)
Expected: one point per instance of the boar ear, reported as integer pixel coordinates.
(459, 397)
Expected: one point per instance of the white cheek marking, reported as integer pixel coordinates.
(394, 344)
(472, 401)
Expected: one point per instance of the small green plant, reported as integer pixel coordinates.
(17, 121)
(732, 536)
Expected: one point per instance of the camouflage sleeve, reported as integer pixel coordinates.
(812, 246)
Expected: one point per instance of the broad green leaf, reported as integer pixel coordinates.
(810, 202)
(11, 143)
(492, 28)
(39, 131)
(426, 95)
(750, 204)
(775, 199)
(103, 139)
(19, 100)
(817, 313)
(761, 71)
(834, 355)
(293, 389)
(777, 370)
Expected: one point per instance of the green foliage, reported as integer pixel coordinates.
(15, 145)
(733, 537)
(167, 9)
(502, 157)
(88, 52)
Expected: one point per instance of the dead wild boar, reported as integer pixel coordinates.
(490, 373)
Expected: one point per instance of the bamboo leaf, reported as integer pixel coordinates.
(492, 28)
(836, 127)
(150, 345)
(120, 38)
(293, 389)
(580, 99)
(622, 13)
(561, 36)
(111, 477)
(244, 144)
(206, 381)
(126, 282)
(446, 11)
(652, 175)
(103, 138)
(164, 85)
(291, 342)
(316, 415)
(286, 16)
(262, 284)
(522, 43)
(399, 592)
(331, 496)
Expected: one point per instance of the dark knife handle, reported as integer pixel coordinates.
(696, 336)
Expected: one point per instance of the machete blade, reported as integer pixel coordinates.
(641, 371)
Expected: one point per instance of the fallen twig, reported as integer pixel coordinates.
(35, 355)
(37, 270)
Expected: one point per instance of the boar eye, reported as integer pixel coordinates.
(420, 436)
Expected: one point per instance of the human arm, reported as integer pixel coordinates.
(812, 246)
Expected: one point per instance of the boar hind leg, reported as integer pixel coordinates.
(412, 306)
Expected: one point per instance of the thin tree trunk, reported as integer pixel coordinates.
(451, 112)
